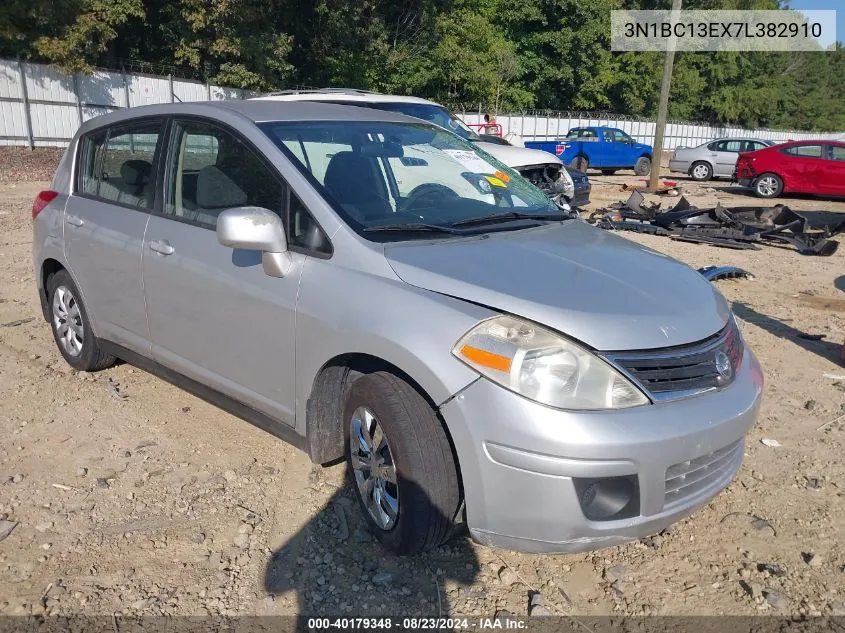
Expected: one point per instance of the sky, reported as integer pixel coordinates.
(838, 5)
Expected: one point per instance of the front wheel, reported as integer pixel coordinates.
(642, 166)
(768, 186)
(401, 463)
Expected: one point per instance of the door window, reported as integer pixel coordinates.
(806, 151)
(117, 165)
(619, 136)
(837, 152)
(211, 170)
(729, 146)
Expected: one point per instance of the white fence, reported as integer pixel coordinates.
(43, 107)
(555, 125)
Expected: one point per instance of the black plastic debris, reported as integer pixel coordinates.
(729, 227)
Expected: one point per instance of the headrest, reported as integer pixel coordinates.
(136, 172)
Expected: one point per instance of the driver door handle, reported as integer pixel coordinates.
(162, 246)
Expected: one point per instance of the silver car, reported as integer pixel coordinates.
(372, 287)
(713, 159)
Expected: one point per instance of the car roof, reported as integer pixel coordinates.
(254, 110)
(812, 141)
(349, 95)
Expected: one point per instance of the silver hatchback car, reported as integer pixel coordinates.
(371, 287)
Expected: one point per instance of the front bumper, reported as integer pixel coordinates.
(682, 166)
(519, 459)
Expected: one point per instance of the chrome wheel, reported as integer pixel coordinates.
(374, 469)
(701, 172)
(67, 321)
(767, 186)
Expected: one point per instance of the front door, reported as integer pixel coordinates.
(105, 220)
(834, 180)
(215, 316)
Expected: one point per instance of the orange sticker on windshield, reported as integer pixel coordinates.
(503, 176)
(495, 181)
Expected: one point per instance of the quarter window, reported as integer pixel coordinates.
(117, 165)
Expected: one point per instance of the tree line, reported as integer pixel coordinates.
(501, 55)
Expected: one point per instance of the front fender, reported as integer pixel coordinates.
(342, 310)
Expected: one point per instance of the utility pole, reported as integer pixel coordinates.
(663, 104)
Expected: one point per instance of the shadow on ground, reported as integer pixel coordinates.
(336, 567)
(828, 350)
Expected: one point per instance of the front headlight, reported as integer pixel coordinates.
(543, 366)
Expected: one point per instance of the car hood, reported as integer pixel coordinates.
(517, 157)
(600, 289)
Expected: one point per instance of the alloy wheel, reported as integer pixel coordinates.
(767, 186)
(67, 321)
(374, 468)
(700, 172)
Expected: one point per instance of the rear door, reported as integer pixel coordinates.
(805, 168)
(105, 220)
(724, 157)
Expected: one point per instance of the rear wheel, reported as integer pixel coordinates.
(768, 185)
(401, 462)
(608, 172)
(643, 166)
(579, 163)
(701, 171)
(71, 327)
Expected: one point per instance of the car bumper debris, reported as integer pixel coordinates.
(729, 227)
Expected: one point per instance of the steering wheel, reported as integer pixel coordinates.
(427, 196)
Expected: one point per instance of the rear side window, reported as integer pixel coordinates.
(807, 151)
(116, 165)
(580, 133)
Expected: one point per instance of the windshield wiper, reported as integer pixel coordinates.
(512, 215)
(416, 227)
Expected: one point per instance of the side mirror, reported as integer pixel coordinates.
(256, 229)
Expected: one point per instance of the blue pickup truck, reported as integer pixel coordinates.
(604, 148)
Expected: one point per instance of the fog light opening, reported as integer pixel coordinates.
(609, 498)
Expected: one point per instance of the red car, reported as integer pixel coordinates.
(796, 167)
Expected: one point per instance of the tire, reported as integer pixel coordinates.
(76, 341)
(579, 163)
(643, 166)
(425, 484)
(608, 172)
(768, 185)
(701, 171)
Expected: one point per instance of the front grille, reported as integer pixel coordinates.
(691, 477)
(677, 372)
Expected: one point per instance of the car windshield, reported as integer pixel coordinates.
(432, 113)
(406, 175)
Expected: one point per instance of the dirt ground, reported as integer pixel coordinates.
(132, 497)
